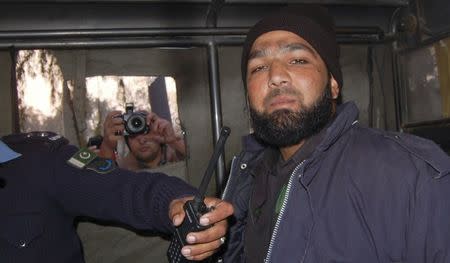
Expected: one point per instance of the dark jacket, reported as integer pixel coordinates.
(42, 196)
(364, 195)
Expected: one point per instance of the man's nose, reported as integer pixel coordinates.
(278, 75)
(142, 139)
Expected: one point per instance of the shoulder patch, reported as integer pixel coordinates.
(82, 158)
(102, 166)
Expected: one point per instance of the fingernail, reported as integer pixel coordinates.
(186, 252)
(204, 221)
(176, 220)
(190, 238)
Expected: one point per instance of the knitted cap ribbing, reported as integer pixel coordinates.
(312, 23)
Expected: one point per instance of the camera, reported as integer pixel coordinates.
(134, 122)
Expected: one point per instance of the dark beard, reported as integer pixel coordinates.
(284, 127)
(146, 159)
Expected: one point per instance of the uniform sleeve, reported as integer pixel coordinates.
(428, 239)
(140, 200)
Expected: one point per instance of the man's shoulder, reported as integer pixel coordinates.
(43, 140)
(41, 147)
(398, 149)
(388, 141)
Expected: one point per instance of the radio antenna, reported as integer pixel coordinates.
(218, 149)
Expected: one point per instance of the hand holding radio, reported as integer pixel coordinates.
(203, 244)
(195, 212)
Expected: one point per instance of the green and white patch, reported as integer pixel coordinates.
(82, 158)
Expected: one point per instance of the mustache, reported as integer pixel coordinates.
(148, 141)
(280, 91)
(145, 143)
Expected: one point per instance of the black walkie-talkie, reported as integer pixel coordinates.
(195, 208)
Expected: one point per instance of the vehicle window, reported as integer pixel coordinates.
(49, 99)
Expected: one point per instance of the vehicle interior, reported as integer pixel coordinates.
(64, 64)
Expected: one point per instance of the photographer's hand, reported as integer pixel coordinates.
(112, 132)
(164, 130)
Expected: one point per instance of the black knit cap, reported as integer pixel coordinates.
(311, 22)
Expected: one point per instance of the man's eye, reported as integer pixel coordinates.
(299, 61)
(257, 69)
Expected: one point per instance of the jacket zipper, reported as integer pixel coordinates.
(280, 215)
(224, 194)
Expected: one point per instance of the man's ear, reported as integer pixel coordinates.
(334, 87)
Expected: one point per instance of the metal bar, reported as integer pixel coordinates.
(132, 32)
(216, 109)
(427, 42)
(123, 32)
(324, 2)
(393, 25)
(153, 42)
(14, 93)
(371, 85)
(114, 43)
(151, 37)
(440, 122)
(398, 87)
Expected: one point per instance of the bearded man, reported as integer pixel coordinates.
(312, 184)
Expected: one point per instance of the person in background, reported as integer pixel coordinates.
(159, 146)
(47, 183)
(314, 185)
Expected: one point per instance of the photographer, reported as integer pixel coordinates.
(148, 150)
(153, 146)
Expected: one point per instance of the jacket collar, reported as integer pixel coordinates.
(6, 153)
(346, 116)
(251, 144)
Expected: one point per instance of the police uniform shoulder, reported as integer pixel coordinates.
(47, 139)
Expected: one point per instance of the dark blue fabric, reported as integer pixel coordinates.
(365, 195)
(43, 196)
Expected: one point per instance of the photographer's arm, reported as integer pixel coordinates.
(112, 132)
(164, 129)
(179, 148)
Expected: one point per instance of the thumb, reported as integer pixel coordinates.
(176, 211)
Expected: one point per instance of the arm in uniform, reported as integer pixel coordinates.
(140, 200)
(42, 194)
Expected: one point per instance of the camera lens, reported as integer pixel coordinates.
(136, 124)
